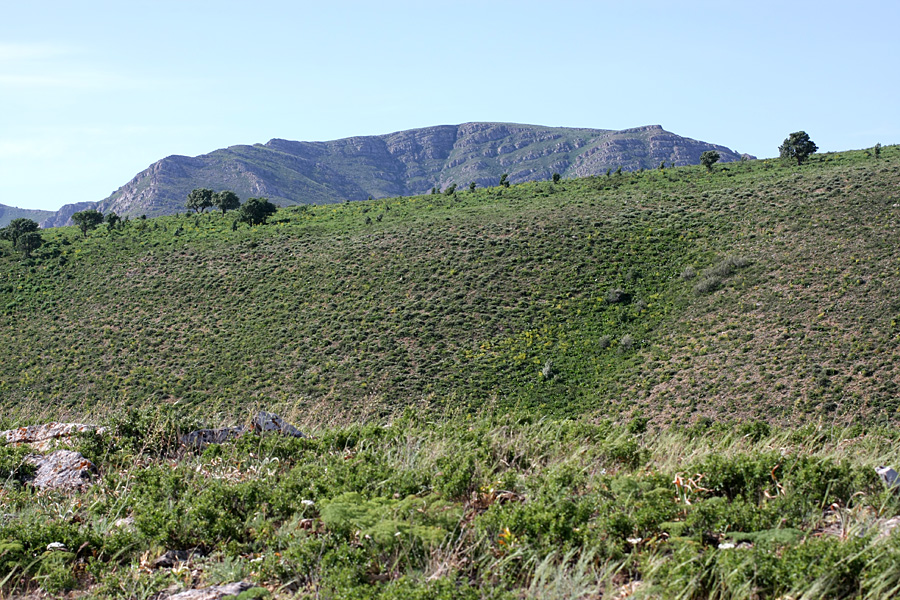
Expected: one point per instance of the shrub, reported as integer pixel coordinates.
(617, 296)
(12, 464)
(708, 285)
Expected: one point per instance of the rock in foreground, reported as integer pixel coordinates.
(62, 470)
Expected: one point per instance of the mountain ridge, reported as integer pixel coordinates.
(401, 163)
(8, 213)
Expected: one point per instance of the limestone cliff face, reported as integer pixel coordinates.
(64, 215)
(395, 164)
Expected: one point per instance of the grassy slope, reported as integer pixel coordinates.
(465, 300)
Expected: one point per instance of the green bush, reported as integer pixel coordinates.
(13, 468)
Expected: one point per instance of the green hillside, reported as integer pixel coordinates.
(660, 384)
(759, 290)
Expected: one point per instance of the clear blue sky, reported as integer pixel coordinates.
(91, 93)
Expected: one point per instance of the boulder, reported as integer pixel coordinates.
(43, 437)
(216, 592)
(61, 470)
(170, 559)
(203, 437)
(888, 476)
(264, 422)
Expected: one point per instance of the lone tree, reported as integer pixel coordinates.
(87, 220)
(28, 242)
(556, 177)
(112, 220)
(200, 199)
(709, 158)
(504, 180)
(797, 145)
(16, 229)
(226, 200)
(255, 211)
(472, 185)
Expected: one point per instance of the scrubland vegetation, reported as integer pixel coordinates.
(481, 506)
(663, 384)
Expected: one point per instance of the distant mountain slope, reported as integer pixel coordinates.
(8, 213)
(398, 164)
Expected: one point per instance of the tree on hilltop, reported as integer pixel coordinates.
(112, 220)
(797, 146)
(24, 235)
(200, 199)
(255, 211)
(709, 158)
(87, 220)
(226, 200)
(17, 228)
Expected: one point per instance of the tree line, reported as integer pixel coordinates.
(255, 211)
(25, 234)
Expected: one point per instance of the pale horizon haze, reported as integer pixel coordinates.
(91, 93)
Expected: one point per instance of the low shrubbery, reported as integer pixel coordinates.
(466, 507)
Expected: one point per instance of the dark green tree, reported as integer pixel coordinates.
(556, 177)
(28, 242)
(451, 189)
(87, 220)
(504, 180)
(112, 220)
(709, 158)
(877, 150)
(200, 199)
(797, 146)
(472, 186)
(226, 200)
(255, 211)
(17, 228)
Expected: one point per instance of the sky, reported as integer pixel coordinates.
(93, 92)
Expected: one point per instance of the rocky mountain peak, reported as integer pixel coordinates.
(395, 164)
